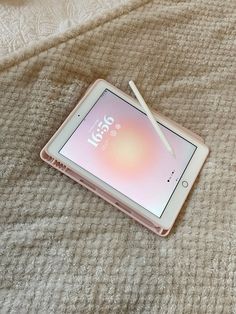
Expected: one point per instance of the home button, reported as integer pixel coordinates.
(185, 184)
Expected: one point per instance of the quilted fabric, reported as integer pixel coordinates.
(23, 22)
(64, 250)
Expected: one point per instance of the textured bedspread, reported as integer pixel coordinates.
(63, 249)
(23, 22)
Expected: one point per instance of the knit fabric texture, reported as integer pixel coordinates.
(65, 250)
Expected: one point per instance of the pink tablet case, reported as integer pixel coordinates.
(109, 198)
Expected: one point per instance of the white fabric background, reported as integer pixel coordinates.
(24, 21)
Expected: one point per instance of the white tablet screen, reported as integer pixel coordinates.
(117, 143)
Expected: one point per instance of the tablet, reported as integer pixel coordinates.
(109, 145)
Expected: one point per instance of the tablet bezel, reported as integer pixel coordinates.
(180, 193)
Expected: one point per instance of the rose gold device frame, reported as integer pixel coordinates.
(147, 219)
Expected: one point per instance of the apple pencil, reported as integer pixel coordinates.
(151, 118)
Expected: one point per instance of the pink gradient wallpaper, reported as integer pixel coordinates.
(117, 143)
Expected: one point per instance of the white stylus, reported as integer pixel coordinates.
(151, 118)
